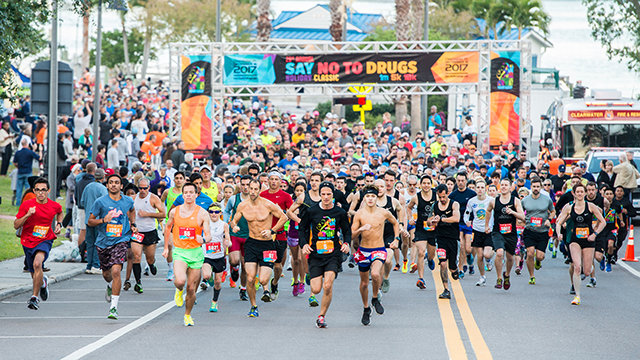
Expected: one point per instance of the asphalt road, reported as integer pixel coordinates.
(479, 322)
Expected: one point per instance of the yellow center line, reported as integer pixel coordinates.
(455, 347)
(477, 340)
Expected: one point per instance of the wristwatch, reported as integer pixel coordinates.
(273, 232)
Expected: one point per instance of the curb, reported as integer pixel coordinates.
(52, 280)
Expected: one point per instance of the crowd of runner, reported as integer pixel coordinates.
(330, 192)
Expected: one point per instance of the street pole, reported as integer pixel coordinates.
(218, 26)
(52, 140)
(424, 103)
(96, 92)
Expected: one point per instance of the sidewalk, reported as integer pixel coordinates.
(13, 281)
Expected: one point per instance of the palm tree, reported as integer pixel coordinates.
(86, 7)
(526, 14)
(125, 42)
(336, 8)
(263, 24)
(403, 30)
(492, 12)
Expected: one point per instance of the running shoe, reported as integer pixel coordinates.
(471, 270)
(257, 283)
(204, 285)
(377, 305)
(385, 285)
(482, 281)
(235, 274)
(232, 283)
(421, 284)
(153, 269)
(397, 267)
(212, 281)
(313, 302)
(289, 268)
(507, 282)
(126, 286)
(138, 288)
(608, 267)
(320, 322)
(458, 275)
(469, 259)
(572, 291)
(113, 314)
(465, 268)
(550, 245)
(538, 264)
(352, 262)
(243, 295)
(498, 284)
(307, 279)
(224, 277)
(301, 289)
(33, 303)
(188, 320)
(214, 306)
(170, 275)
(554, 254)
(178, 298)
(44, 290)
(146, 270)
(532, 280)
(445, 295)
(489, 266)
(576, 300)
(294, 289)
(582, 276)
(414, 268)
(274, 291)
(366, 316)
(431, 264)
(518, 270)
(253, 312)
(107, 294)
(592, 283)
(602, 264)
(405, 267)
(266, 296)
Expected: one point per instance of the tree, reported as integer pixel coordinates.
(113, 49)
(616, 25)
(451, 25)
(338, 15)
(263, 25)
(403, 29)
(526, 14)
(492, 12)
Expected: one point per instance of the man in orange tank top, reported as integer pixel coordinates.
(187, 229)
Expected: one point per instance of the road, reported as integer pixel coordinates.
(479, 322)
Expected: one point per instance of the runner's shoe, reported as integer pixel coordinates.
(592, 283)
(421, 284)
(465, 268)
(397, 267)
(301, 289)
(469, 259)
(608, 267)
(538, 264)
(146, 270)
(266, 296)
(253, 312)
(224, 276)
(320, 322)
(386, 284)
(212, 281)
(113, 314)
(274, 291)
(377, 305)
(602, 264)
(107, 294)
(243, 295)
(235, 274)
(257, 284)
(232, 283)
(458, 275)
(431, 264)
(445, 295)
(498, 284)
(307, 278)
(518, 270)
(576, 300)
(572, 291)
(188, 320)
(138, 288)
(352, 262)
(366, 316)
(44, 290)
(554, 254)
(204, 285)
(507, 282)
(482, 281)
(153, 269)
(127, 285)
(532, 280)
(550, 245)
(471, 270)
(33, 303)
(170, 275)
(404, 267)
(214, 306)
(489, 265)
(178, 297)
(414, 268)
(313, 302)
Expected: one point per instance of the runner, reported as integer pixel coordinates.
(319, 238)
(393, 205)
(34, 218)
(538, 211)
(187, 229)
(114, 216)
(390, 181)
(593, 196)
(369, 223)
(582, 239)
(297, 263)
(425, 238)
(503, 233)
(260, 248)
(410, 193)
(209, 188)
(168, 198)
(461, 194)
(214, 253)
(284, 201)
(608, 238)
(202, 200)
(445, 218)
(481, 244)
(238, 239)
(148, 208)
(354, 199)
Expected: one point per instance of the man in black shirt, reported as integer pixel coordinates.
(560, 179)
(319, 240)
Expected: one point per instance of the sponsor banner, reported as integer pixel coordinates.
(375, 68)
(196, 106)
(606, 115)
(505, 98)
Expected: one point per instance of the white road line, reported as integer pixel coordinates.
(102, 289)
(46, 336)
(59, 317)
(86, 302)
(633, 271)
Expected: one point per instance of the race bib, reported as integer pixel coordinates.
(40, 231)
(442, 254)
(269, 256)
(427, 227)
(379, 255)
(137, 237)
(187, 233)
(212, 248)
(582, 233)
(536, 221)
(324, 246)
(114, 230)
(505, 228)
(415, 216)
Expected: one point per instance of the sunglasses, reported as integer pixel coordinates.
(215, 211)
(143, 187)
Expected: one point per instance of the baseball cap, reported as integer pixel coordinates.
(205, 167)
(562, 168)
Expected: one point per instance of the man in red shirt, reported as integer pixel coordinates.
(35, 217)
(284, 201)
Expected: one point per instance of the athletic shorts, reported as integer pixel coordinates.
(365, 257)
(537, 239)
(194, 258)
(293, 242)
(584, 243)
(217, 265)
(320, 264)
(30, 253)
(82, 223)
(481, 239)
(465, 229)
(504, 241)
(428, 236)
(237, 244)
(450, 254)
(261, 252)
(602, 241)
(410, 227)
(281, 249)
(149, 238)
(112, 255)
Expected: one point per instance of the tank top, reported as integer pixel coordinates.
(185, 229)
(212, 191)
(582, 223)
(444, 229)
(307, 204)
(424, 210)
(388, 227)
(214, 248)
(146, 223)
(171, 197)
(503, 222)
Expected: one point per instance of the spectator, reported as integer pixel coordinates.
(23, 160)
(6, 139)
(626, 175)
(113, 156)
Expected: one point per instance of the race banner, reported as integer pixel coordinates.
(372, 68)
(505, 98)
(196, 106)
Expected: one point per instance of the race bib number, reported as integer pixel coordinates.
(324, 246)
(212, 248)
(582, 233)
(269, 256)
(442, 254)
(427, 227)
(40, 231)
(379, 255)
(415, 216)
(114, 230)
(536, 221)
(505, 228)
(187, 233)
(137, 237)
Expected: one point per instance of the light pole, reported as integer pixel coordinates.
(218, 26)
(52, 140)
(424, 99)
